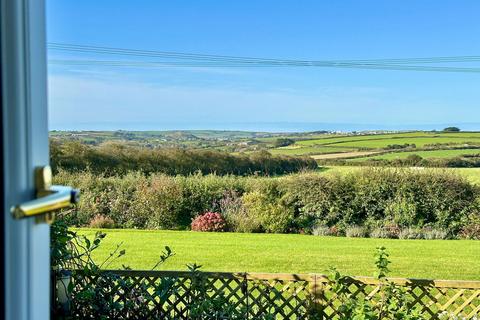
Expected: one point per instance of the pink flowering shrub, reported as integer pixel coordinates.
(210, 222)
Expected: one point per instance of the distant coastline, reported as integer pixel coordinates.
(258, 126)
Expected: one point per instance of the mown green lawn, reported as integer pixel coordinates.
(439, 259)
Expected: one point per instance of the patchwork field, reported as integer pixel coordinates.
(314, 150)
(343, 144)
(321, 146)
(400, 138)
(344, 155)
(423, 154)
(293, 253)
(418, 141)
(347, 138)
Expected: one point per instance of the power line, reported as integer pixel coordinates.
(182, 55)
(167, 64)
(180, 59)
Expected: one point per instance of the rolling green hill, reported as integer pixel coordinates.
(423, 154)
(326, 146)
(390, 145)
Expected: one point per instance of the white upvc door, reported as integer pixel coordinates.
(25, 146)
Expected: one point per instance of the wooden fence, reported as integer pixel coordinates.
(281, 296)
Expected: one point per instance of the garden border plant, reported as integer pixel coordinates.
(71, 253)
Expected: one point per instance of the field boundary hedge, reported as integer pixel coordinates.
(115, 159)
(374, 201)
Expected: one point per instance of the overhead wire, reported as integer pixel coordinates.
(181, 59)
(179, 55)
(167, 64)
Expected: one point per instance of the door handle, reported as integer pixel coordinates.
(49, 198)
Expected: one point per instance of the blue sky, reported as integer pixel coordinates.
(87, 97)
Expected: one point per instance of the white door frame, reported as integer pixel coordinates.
(25, 146)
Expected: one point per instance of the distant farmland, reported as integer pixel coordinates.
(418, 141)
(390, 145)
(299, 150)
(322, 146)
(423, 154)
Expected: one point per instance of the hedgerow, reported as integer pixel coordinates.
(119, 159)
(376, 200)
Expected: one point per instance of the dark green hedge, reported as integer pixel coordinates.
(114, 159)
(294, 203)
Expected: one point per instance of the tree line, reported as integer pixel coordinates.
(115, 158)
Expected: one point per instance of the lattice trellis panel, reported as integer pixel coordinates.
(431, 297)
(167, 294)
(280, 296)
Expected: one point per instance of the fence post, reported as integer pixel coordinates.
(315, 288)
(246, 294)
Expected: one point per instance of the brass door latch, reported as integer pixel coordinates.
(49, 198)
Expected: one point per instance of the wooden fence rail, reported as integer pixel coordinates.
(281, 296)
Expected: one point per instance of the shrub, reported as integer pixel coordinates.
(113, 197)
(379, 233)
(269, 213)
(321, 230)
(321, 199)
(470, 228)
(100, 221)
(394, 301)
(410, 233)
(471, 231)
(159, 203)
(405, 198)
(386, 232)
(210, 222)
(71, 254)
(356, 232)
(203, 193)
(413, 160)
(236, 215)
(283, 142)
(434, 234)
(402, 211)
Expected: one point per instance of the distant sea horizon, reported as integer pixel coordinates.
(273, 127)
